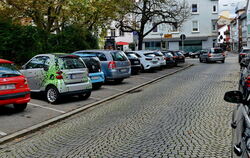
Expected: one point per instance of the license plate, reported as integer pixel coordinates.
(7, 86)
(123, 70)
(154, 62)
(75, 76)
(95, 77)
(136, 62)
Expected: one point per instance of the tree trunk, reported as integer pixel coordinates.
(140, 41)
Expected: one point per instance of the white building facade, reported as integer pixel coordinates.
(200, 29)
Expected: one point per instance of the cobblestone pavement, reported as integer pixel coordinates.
(183, 115)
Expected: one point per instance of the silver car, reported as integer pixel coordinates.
(212, 55)
(58, 74)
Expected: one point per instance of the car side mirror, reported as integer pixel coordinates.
(233, 97)
(46, 68)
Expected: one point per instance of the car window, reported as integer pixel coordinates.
(38, 62)
(92, 63)
(216, 51)
(158, 54)
(101, 56)
(8, 70)
(118, 56)
(71, 63)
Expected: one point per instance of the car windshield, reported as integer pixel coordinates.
(169, 55)
(131, 55)
(8, 70)
(246, 51)
(92, 63)
(216, 51)
(71, 63)
(158, 54)
(118, 56)
(149, 54)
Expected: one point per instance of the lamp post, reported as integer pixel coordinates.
(161, 34)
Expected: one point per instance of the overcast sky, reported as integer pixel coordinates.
(228, 4)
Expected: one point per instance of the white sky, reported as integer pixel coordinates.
(228, 4)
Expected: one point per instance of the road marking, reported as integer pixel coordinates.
(44, 107)
(113, 89)
(2, 133)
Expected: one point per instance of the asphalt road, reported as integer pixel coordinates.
(183, 115)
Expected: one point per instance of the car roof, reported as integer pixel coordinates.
(5, 61)
(142, 51)
(97, 51)
(86, 55)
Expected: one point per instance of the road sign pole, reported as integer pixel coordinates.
(182, 42)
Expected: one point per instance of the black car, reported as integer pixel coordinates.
(175, 55)
(169, 58)
(181, 57)
(240, 124)
(135, 62)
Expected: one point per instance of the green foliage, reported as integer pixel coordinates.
(20, 43)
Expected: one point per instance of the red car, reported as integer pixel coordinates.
(13, 86)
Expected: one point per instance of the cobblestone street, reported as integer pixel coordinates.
(183, 115)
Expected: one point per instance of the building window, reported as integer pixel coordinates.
(112, 32)
(214, 25)
(195, 27)
(121, 33)
(214, 8)
(194, 8)
(155, 29)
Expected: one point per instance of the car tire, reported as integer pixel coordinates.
(142, 68)
(52, 94)
(200, 60)
(97, 85)
(20, 107)
(85, 95)
(223, 61)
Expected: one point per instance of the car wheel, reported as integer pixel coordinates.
(20, 107)
(52, 94)
(85, 95)
(223, 61)
(97, 85)
(142, 68)
(200, 60)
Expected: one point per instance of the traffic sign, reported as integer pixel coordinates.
(183, 37)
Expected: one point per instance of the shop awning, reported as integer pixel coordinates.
(122, 43)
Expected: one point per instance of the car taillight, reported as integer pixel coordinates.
(247, 83)
(59, 75)
(148, 58)
(209, 55)
(111, 65)
(175, 57)
(242, 54)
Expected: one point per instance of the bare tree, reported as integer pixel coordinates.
(147, 12)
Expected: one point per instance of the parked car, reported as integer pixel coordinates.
(195, 54)
(240, 124)
(161, 58)
(57, 75)
(14, 88)
(244, 51)
(212, 55)
(186, 54)
(147, 58)
(181, 57)
(114, 63)
(175, 55)
(94, 68)
(169, 59)
(135, 62)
